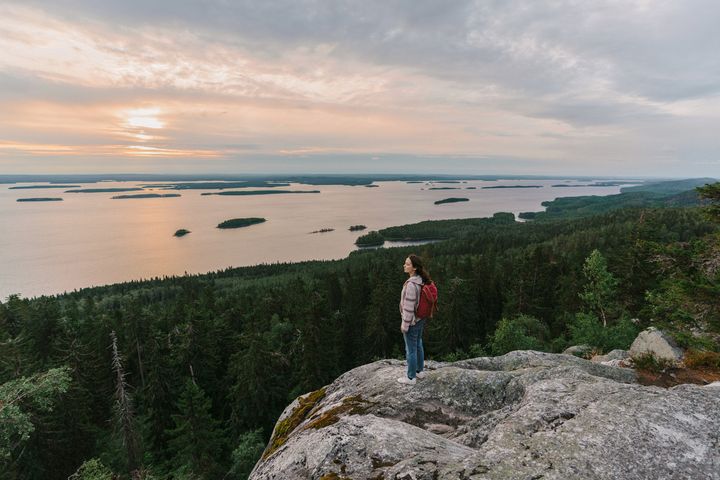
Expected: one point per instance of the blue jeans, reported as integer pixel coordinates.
(414, 352)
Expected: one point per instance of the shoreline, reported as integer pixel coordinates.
(228, 266)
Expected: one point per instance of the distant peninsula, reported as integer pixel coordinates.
(181, 233)
(452, 200)
(103, 190)
(598, 184)
(40, 199)
(240, 222)
(372, 239)
(515, 186)
(29, 187)
(259, 192)
(146, 195)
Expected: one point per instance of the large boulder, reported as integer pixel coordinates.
(523, 415)
(616, 354)
(653, 341)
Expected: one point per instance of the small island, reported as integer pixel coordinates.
(470, 188)
(240, 222)
(452, 200)
(103, 190)
(181, 233)
(444, 188)
(355, 228)
(372, 239)
(146, 195)
(40, 199)
(324, 230)
(372, 186)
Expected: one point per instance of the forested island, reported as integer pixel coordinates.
(181, 232)
(240, 222)
(225, 352)
(215, 185)
(355, 228)
(452, 200)
(33, 187)
(444, 188)
(103, 190)
(260, 192)
(323, 230)
(40, 199)
(146, 195)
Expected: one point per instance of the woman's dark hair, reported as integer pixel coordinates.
(417, 264)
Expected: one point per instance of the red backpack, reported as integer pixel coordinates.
(427, 305)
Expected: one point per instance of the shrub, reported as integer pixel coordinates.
(92, 469)
(249, 449)
(702, 358)
(651, 363)
(586, 329)
(520, 333)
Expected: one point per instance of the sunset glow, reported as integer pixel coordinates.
(144, 118)
(374, 88)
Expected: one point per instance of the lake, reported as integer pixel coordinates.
(89, 239)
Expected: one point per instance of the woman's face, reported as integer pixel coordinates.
(408, 267)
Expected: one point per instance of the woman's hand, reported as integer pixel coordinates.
(404, 327)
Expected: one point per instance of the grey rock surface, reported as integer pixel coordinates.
(612, 355)
(523, 415)
(651, 340)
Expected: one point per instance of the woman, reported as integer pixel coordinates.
(411, 326)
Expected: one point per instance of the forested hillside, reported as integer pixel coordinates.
(184, 377)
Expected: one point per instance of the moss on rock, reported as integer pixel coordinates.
(286, 426)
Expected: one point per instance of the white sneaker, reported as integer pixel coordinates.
(420, 374)
(405, 380)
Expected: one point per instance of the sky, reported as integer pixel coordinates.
(608, 87)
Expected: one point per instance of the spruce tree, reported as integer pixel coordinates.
(197, 438)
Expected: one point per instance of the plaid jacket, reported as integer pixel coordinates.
(409, 299)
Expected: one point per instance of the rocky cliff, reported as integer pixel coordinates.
(524, 415)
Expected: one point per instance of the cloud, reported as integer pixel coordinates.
(561, 79)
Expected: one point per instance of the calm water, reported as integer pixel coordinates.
(89, 239)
